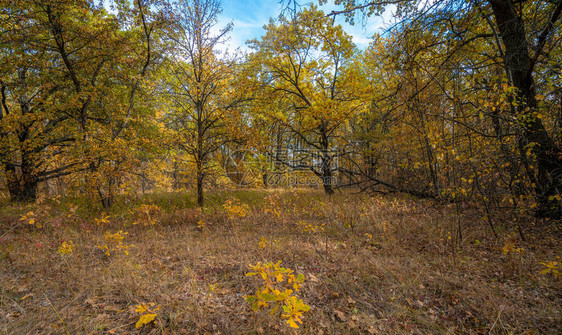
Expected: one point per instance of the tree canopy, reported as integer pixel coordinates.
(457, 101)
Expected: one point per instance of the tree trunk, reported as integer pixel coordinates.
(107, 197)
(327, 173)
(326, 168)
(534, 135)
(21, 178)
(264, 177)
(106, 200)
(200, 196)
(176, 177)
(327, 182)
(23, 186)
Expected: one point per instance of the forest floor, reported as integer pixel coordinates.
(372, 265)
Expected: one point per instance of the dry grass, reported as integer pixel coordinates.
(409, 278)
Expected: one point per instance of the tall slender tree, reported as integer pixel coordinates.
(307, 86)
(199, 85)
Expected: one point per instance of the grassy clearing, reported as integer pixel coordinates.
(373, 265)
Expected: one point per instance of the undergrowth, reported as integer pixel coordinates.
(369, 265)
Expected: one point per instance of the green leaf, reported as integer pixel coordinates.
(268, 297)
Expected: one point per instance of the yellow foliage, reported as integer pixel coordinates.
(66, 248)
(551, 267)
(235, 209)
(277, 289)
(147, 313)
(292, 311)
(31, 219)
(114, 243)
(272, 205)
(200, 225)
(310, 228)
(263, 243)
(145, 214)
(103, 220)
(509, 247)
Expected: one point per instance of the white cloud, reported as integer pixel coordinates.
(249, 17)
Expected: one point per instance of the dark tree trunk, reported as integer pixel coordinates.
(200, 196)
(106, 197)
(21, 177)
(326, 170)
(21, 186)
(327, 182)
(22, 180)
(176, 177)
(265, 177)
(200, 156)
(107, 202)
(327, 175)
(548, 171)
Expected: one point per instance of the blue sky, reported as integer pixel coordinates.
(249, 17)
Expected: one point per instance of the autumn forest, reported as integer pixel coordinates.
(156, 180)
